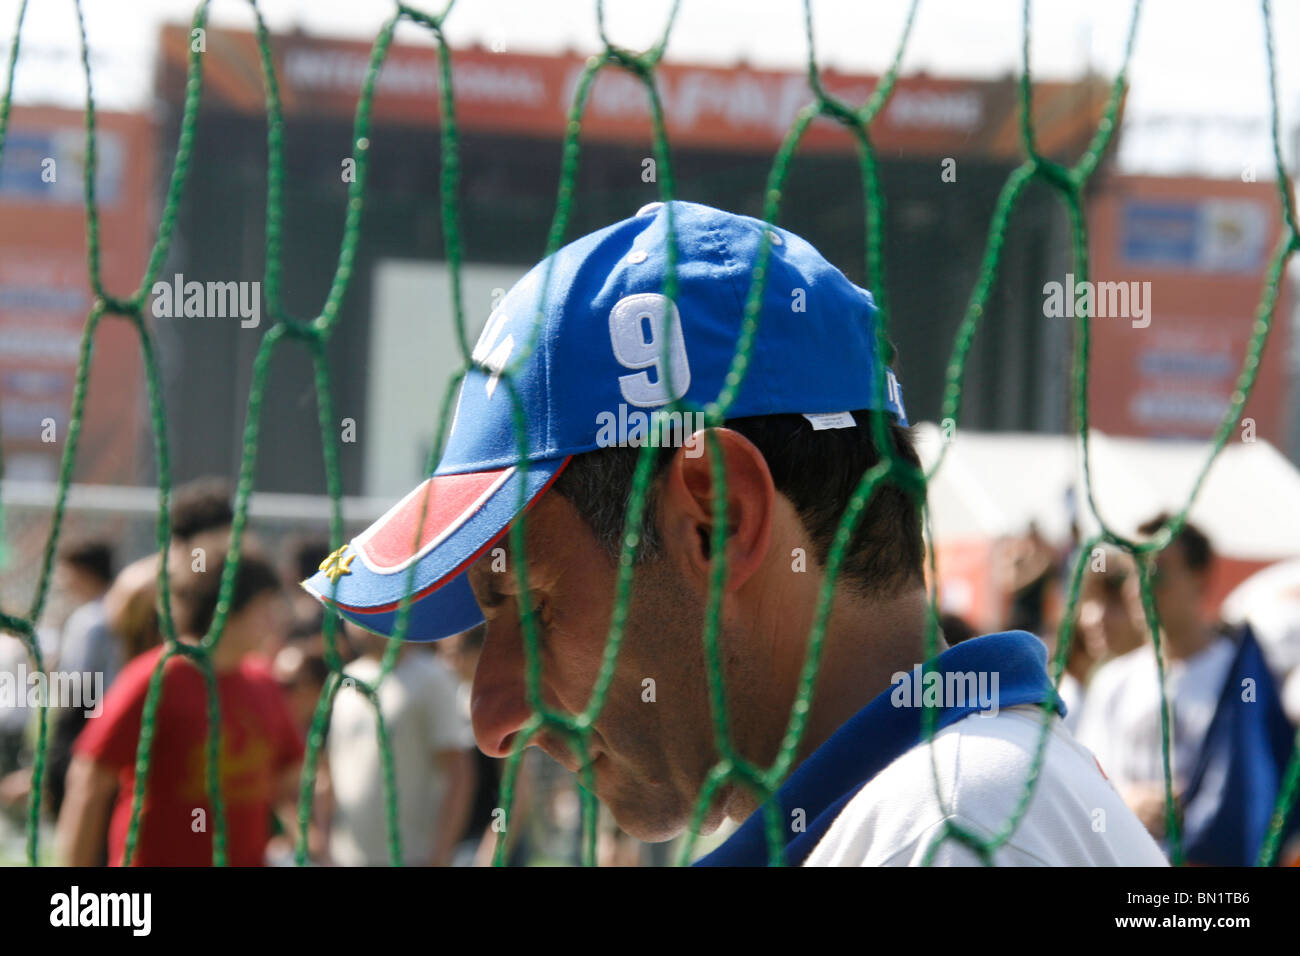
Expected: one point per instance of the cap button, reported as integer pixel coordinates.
(649, 208)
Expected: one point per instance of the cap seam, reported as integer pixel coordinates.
(550, 419)
(754, 370)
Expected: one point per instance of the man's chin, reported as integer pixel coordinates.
(648, 832)
(654, 824)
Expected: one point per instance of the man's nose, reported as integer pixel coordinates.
(499, 702)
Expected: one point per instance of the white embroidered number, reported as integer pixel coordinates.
(635, 324)
(891, 385)
(494, 358)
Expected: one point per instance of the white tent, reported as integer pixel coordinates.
(993, 485)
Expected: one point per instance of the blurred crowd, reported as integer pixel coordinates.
(270, 667)
(1232, 688)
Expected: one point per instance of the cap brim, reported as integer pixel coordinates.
(463, 516)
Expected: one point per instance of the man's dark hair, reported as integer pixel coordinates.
(195, 593)
(817, 471)
(201, 505)
(92, 556)
(1198, 555)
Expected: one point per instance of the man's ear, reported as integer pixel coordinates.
(687, 505)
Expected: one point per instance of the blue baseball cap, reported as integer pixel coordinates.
(593, 375)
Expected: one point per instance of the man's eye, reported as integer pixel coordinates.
(538, 611)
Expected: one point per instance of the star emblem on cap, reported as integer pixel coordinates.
(335, 566)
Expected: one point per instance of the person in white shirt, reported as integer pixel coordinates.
(432, 763)
(1104, 626)
(1121, 719)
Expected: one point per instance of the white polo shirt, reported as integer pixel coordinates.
(866, 796)
(1074, 817)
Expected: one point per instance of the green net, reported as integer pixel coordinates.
(313, 335)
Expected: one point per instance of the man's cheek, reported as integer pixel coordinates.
(571, 666)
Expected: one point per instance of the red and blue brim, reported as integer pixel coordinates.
(423, 545)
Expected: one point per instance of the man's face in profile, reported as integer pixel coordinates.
(651, 745)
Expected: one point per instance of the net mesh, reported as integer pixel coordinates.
(1067, 182)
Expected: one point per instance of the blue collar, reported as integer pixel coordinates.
(882, 731)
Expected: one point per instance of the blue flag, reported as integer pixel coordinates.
(1229, 799)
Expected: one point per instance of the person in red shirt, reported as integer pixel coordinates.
(261, 746)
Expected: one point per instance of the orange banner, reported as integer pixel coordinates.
(733, 108)
(1196, 251)
(45, 292)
